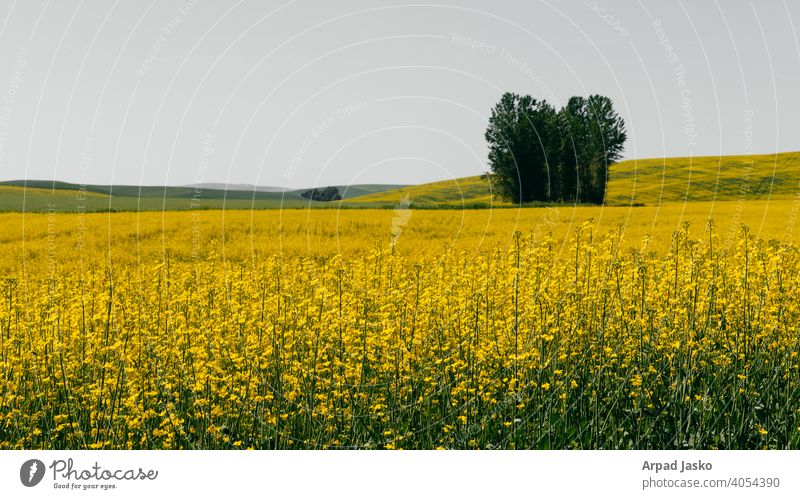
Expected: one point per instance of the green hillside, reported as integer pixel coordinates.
(352, 191)
(705, 178)
(45, 195)
(645, 181)
(467, 191)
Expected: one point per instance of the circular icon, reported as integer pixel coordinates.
(31, 472)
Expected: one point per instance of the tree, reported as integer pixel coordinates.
(572, 120)
(607, 135)
(520, 137)
(502, 138)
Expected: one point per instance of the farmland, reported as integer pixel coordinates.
(552, 327)
(649, 182)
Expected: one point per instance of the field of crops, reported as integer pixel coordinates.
(724, 178)
(646, 327)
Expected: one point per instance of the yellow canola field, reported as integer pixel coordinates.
(535, 328)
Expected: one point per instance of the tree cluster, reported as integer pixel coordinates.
(538, 153)
(324, 194)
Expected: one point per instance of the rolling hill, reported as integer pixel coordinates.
(46, 195)
(644, 181)
(704, 178)
(457, 193)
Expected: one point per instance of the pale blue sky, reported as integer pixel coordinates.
(309, 93)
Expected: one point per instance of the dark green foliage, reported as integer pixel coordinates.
(521, 135)
(539, 154)
(325, 194)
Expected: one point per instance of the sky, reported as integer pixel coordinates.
(311, 93)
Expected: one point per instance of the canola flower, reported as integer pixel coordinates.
(601, 345)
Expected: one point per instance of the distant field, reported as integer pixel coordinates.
(649, 182)
(723, 178)
(41, 196)
(459, 192)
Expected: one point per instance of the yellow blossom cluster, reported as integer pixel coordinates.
(584, 342)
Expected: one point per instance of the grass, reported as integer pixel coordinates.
(724, 178)
(470, 191)
(39, 196)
